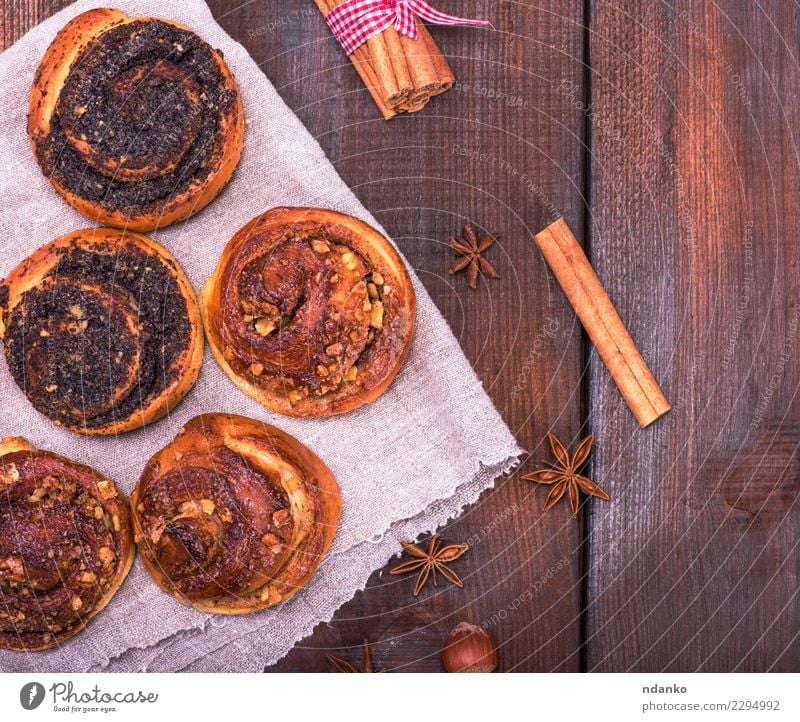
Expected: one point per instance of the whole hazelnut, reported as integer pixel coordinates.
(469, 649)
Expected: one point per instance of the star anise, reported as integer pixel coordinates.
(366, 662)
(470, 249)
(429, 562)
(564, 476)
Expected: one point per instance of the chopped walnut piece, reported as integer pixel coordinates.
(207, 506)
(76, 603)
(264, 327)
(334, 349)
(87, 578)
(269, 539)
(376, 317)
(350, 374)
(350, 261)
(320, 247)
(9, 474)
(37, 495)
(280, 517)
(106, 556)
(106, 489)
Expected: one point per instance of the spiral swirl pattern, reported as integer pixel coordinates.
(101, 330)
(65, 546)
(143, 125)
(234, 515)
(311, 312)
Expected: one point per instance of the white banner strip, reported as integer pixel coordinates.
(268, 697)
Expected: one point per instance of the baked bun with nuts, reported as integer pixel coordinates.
(65, 546)
(309, 311)
(136, 122)
(234, 515)
(101, 330)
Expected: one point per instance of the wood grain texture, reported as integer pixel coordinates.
(694, 564)
(688, 159)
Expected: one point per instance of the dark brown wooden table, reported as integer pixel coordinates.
(666, 134)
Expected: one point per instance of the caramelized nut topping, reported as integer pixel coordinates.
(264, 327)
(280, 517)
(106, 489)
(376, 317)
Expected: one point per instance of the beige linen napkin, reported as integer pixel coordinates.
(406, 463)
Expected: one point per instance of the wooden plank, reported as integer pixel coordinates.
(693, 566)
(19, 16)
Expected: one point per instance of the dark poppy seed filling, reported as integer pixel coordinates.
(100, 336)
(138, 120)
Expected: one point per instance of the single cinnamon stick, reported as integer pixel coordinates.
(402, 74)
(382, 64)
(362, 63)
(420, 60)
(602, 322)
(444, 75)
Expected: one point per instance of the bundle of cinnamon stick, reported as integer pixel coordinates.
(401, 74)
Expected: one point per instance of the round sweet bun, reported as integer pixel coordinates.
(234, 515)
(136, 122)
(65, 546)
(309, 311)
(101, 330)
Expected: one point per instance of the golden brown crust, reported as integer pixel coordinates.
(101, 330)
(234, 515)
(68, 161)
(65, 546)
(309, 311)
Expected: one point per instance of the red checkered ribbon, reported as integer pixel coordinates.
(355, 21)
